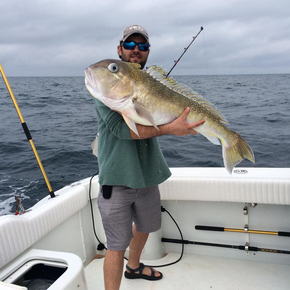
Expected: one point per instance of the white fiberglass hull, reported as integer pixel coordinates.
(256, 197)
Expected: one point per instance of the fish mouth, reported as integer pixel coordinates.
(89, 78)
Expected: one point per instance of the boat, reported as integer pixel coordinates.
(219, 231)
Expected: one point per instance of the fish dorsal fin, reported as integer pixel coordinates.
(160, 75)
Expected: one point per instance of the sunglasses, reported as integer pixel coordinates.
(143, 46)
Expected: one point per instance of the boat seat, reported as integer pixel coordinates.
(251, 185)
(20, 232)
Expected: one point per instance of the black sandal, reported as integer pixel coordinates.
(139, 275)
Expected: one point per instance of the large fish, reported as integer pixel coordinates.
(151, 99)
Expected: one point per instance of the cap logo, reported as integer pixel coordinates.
(136, 27)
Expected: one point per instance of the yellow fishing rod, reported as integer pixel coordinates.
(245, 230)
(27, 133)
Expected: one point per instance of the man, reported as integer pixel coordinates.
(131, 167)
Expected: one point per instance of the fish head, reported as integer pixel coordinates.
(109, 81)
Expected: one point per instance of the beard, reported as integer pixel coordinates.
(134, 57)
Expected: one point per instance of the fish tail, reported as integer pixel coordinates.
(235, 151)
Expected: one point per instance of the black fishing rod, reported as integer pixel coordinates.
(245, 230)
(241, 247)
(27, 132)
(176, 61)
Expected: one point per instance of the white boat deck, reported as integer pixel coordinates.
(196, 272)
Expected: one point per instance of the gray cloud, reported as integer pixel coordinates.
(40, 38)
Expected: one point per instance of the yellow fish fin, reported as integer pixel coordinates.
(143, 112)
(234, 152)
(131, 124)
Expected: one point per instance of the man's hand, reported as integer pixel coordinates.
(178, 127)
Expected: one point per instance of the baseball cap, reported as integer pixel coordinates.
(132, 29)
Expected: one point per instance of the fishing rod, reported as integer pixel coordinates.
(185, 49)
(245, 230)
(27, 133)
(240, 247)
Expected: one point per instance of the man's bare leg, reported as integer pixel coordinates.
(135, 250)
(113, 269)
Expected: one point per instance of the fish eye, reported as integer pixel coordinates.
(113, 67)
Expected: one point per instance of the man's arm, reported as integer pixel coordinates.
(178, 127)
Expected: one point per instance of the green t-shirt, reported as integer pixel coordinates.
(124, 161)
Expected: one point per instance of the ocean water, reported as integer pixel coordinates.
(60, 115)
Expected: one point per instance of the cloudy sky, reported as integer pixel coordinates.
(62, 37)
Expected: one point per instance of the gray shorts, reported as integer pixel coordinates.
(128, 205)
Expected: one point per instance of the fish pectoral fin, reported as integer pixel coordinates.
(143, 112)
(131, 124)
